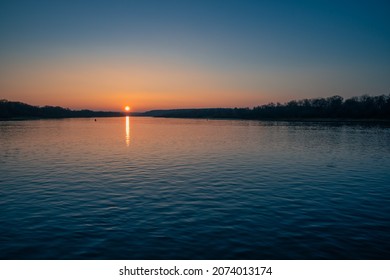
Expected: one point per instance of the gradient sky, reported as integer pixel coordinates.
(187, 54)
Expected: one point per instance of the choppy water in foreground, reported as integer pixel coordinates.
(143, 188)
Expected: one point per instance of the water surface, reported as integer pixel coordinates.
(144, 188)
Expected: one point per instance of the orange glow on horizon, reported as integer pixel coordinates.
(107, 100)
(103, 84)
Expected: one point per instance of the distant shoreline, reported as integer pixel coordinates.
(297, 120)
(331, 109)
(11, 110)
(321, 120)
(332, 120)
(54, 118)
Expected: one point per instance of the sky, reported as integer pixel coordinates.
(103, 55)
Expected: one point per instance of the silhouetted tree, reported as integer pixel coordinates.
(364, 107)
(9, 109)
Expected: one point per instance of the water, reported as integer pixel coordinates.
(144, 188)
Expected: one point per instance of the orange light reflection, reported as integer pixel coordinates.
(127, 131)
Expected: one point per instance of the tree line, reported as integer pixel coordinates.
(19, 110)
(334, 107)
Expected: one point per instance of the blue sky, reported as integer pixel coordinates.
(101, 54)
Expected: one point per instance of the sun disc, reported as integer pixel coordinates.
(127, 108)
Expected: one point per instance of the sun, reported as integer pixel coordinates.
(127, 108)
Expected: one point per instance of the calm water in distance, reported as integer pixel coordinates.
(151, 188)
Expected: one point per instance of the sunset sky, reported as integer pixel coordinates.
(103, 55)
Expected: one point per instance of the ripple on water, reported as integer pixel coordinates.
(193, 189)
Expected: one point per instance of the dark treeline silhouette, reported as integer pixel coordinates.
(18, 110)
(335, 107)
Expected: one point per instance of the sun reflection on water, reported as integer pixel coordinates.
(127, 131)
